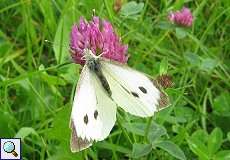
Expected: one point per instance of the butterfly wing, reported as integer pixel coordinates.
(93, 113)
(131, 90)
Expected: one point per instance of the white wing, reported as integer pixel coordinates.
(93, 113)
(131, 90)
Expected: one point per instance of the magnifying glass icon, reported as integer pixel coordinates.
(9, 147)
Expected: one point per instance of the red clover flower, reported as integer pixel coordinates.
(183, 17)
(98, 36)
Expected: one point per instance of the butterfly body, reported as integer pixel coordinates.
(94, 65)
(103, 86)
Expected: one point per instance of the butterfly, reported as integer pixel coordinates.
(103, 86)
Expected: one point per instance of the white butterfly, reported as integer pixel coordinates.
(103, 86)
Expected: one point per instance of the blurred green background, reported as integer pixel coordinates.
(36, 91)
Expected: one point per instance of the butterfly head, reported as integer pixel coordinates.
(89, 56)
(92, 60)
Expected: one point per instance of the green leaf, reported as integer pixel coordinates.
(114, 147)
(185, 113)
(6, 122)
(140, 150)
(70, 73)
(164, 25)
(61, 40)
(228, 136)
(180, 33)
(221, 104)
(62, 36)
(215, 141)
(140, 128)
(136, 128)
(65, 154)
(172, 149)
(197, 144)
(201, 135)
(192, 58)
(156, 132)
(208, 64)
(178, 4)
(52, 80)
(131, 9)
(164, 66)
(24, 132)
(61, 130)
(222, 155)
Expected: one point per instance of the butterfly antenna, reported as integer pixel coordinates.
(100, 55)
(57, 44)
(71, 49)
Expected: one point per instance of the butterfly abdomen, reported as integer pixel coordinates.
(95, 66)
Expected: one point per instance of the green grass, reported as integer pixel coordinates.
(36, 90)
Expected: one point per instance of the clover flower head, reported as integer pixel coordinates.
(183, 17)
(98, 36)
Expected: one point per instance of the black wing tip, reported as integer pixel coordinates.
(77, 144)
(163, 102)
(163, 82)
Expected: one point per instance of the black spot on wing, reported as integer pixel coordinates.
(95, 114)
(86, 120)
(142, 89)
(135, 94)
